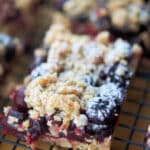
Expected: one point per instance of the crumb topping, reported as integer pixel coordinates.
(128, 13)
(68, 80)
(78, 6)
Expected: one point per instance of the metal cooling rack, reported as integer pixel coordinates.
(133, 121)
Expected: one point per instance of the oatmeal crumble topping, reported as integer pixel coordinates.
(128, 13)
(78, 6)
(61, 83)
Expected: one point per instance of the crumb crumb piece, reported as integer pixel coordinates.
(121, 70)
(103, 37)
(137, 50)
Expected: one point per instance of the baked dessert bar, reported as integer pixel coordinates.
(17, 14)
(73, 99)
(10, 47)
(126, 16)
(147, 139)
(128, 19)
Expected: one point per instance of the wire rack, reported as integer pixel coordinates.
(132, 124)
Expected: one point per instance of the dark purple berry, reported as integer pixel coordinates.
(112, 75)
(20, 115)
(111, 92)
(37, 128)
(99, 108)
(95, 128)
(17, 98)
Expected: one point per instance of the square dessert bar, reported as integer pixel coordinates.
(73, 99)
(147, 139)
(10, 47)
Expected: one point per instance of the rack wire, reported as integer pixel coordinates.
(132, 124)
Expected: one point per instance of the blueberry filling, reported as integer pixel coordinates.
(97, 131)
(95, 128)
(37, 128)
(54, 121)
(9, 129)
(111, 74)
(98, 110)
(111, 92)
(17, 97)
(90, 80)
(19, 115)
(105, 106)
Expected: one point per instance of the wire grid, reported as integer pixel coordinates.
(133, 121)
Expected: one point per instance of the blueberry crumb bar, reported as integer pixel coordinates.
(147, 139)
(73, 99)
